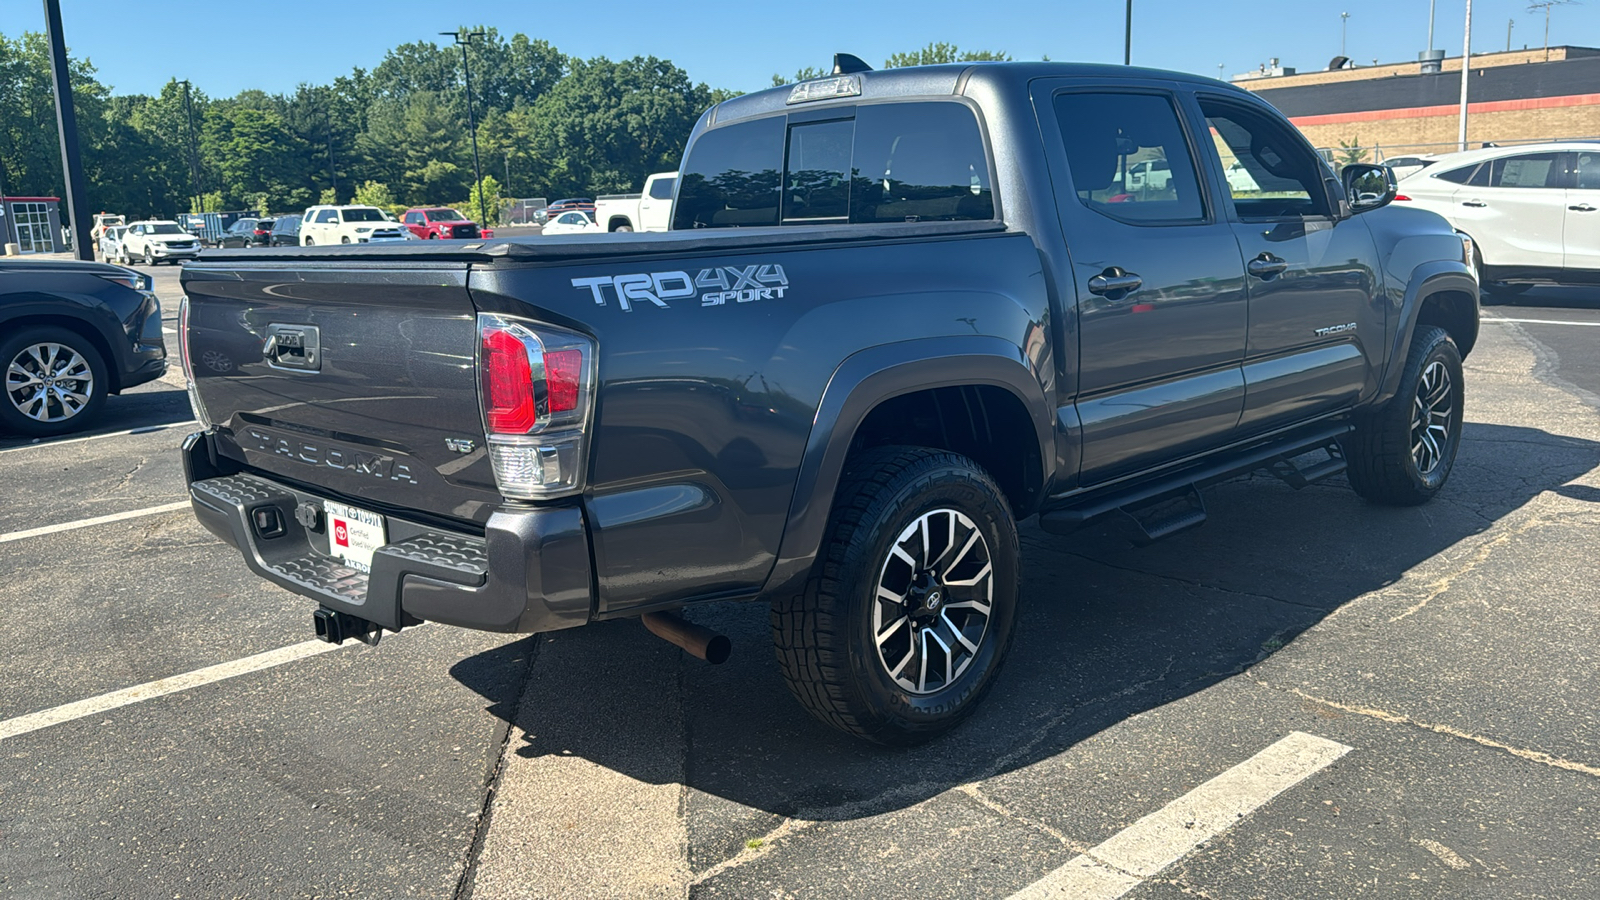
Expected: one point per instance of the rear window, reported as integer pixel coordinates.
(898, 162)
(661, 188)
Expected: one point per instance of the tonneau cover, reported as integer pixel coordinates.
(577, 247)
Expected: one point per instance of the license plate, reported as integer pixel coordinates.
(353, 534)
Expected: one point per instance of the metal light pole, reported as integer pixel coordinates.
(1430, 23)
(463, 39)
(194, 153)
(1127, 36)
(1344, 28)
(1510, 24)
(67, 128)
(1466, 72)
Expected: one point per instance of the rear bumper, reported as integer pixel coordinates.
(528, 572)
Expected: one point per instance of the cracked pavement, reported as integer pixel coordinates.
(1451, 646)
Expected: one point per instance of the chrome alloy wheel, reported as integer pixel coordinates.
(49, 382)
(1430, 419)
(931, 611)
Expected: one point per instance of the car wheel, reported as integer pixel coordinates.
(623, 228)
(55, 382)
(433, 236)
(1402, 454)
(907, 614)
(309, 241)
(344, 240)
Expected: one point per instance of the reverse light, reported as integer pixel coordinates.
(536, 386)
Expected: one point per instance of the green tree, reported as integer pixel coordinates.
(490, 210)
(329, 197)
(1351, 152)
(806, 74)
(939, 53)
(376, 193)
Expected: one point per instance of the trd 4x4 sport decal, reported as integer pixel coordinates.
(716, 287)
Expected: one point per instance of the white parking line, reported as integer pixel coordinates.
(1537, 321)
(68, 712)
(89, 523)
(1143, 849)
(148, 429)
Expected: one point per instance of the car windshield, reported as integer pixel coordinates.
(445, 215)
(166, 229)
(363, 215)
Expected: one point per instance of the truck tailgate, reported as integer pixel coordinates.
(354, 380)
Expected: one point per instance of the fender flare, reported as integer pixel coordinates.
(1427, 279)
(859, 385)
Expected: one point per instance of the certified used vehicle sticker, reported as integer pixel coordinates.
(353, 534)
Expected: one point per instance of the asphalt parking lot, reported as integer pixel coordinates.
(1308, 697)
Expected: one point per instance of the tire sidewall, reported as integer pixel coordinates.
(1440, 349)
(934, 489)
(12, 419)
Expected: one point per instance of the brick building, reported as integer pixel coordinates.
(1400, 108)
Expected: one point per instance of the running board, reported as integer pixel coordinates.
(1275, 457)
(1167, 516)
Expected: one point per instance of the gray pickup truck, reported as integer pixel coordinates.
(897, 313)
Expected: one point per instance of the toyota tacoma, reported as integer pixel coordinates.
(897, 313)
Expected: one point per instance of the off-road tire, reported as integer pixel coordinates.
(1382, 451)
(14, 420)
(824, 635)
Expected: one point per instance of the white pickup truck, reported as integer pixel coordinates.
(647, 211)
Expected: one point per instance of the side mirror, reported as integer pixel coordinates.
(1368, 187)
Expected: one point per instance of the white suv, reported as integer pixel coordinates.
(155, 241)
(347, 225)
(1533, 211)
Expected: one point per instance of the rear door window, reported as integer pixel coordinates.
(1530, 170)
(661, 188)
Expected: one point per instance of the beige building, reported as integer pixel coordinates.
(1400, 108)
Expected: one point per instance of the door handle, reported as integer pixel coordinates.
(1474, 203)
(1581, 207)
(1114, 281)
(1266, 265)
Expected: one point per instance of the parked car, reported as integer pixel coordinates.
(102, 221)
(72, 333)
(846, 420)
(1532, 211)
(435, 222)
(1149, 177)
(285, 231)
(157, 241)
(247, 233)
(1404, 166)
(111, 244)
(347, 225)
(555, 209)
(572, 222)
(649, 210)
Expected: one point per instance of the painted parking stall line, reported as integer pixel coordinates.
(1538, 321)
(139, 693)
(1140, 851)
(146, 429)
(90, 523)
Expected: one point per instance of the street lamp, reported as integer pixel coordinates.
(1127, 36)
(464, 38)
(1344, 27)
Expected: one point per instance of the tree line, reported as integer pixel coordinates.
(549, 125)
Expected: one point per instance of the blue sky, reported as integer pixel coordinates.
(274, 44)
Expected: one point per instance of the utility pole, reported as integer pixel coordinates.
(1466, 72)
(463, 39)
(1546, 5)
(333, 171)
(1127, 36)
(194, 152)
(1510, 24)
(67, 128)
(508, 173)
(1430, 23)
(1344, 28)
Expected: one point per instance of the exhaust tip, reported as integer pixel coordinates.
(696, 640)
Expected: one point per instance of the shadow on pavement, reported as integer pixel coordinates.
(1107, 631)
(153, 405)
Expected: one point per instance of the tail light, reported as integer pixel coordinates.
(536, 383)
(262, 232)
(198, 407)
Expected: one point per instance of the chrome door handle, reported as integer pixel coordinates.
(1114, 281)
(1266, 265)
(1581, 207)
(1474, 203)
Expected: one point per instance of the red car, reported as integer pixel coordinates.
(442, 222)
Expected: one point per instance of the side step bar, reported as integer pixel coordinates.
(1137, 500)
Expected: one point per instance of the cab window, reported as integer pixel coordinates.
(1269, 171)
(1128, 157)
(1530, 170)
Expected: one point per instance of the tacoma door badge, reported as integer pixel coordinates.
(1335, 329)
